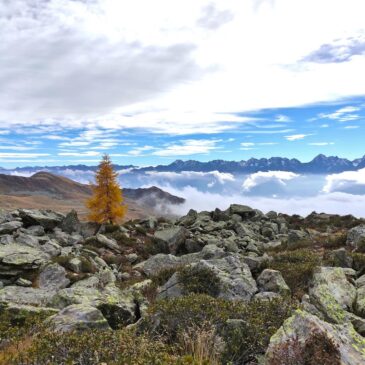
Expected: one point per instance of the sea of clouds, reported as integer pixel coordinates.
(282, 191)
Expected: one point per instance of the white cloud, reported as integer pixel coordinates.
(344, 114)
(282, 118)
(79, 154)
(262, 177)
(5, 155)
(351, 127)
(220, 177)
(247, 144)
(296, 137)
(187, 147)
(321, 143)
(334, 203)
(166, 66)
(139, 151)
(348, 181)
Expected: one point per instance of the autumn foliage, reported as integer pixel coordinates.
(106, 204)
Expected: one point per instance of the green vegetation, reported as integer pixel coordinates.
(297, 268)
(244, 339)
(199, 280)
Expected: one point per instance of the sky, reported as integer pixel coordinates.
(150, 82)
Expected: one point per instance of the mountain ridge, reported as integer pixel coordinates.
(321, 164)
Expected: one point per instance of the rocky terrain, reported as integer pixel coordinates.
(243, 286)
(43, 190)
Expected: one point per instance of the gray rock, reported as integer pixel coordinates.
(341, 258)
(23, 282)
(242, 210)
(156, 263)
(35, 231)
(53, 277)
(71, 223)
(26, 296)
(235, 277)
(9, 227)
(266, 295)
(174, 238)
(46, 218)
(7, 239)
(273, 281)
(22, 256)
(132, 257)
(356, 238)
(189, 219)
(79, 317)
(27, 240)
(302, 325)
(332, 293)
(108, 243)
(75, 265)
(296, 236)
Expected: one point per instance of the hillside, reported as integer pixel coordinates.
(224, 287)
(46, 190)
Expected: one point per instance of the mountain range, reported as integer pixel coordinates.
(321, 164)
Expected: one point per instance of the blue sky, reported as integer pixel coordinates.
(299, 133)
(180, 80)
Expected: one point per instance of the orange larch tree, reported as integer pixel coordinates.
(106, 204)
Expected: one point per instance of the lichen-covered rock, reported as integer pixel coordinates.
(79, 317)
(289, 343)
(242, 210)
(26, 296)
(272, 281)
(332, 293)
(236, 281)
(174, 238)
(156, 263)
(356, 238)
(71, 223)
(48, 219)
(295, 236)
(10, 227)
(53, 277)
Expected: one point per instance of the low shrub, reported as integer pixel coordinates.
(297, 268)
(199, 280)
(96, 347)
(259, 321)
(317, 349)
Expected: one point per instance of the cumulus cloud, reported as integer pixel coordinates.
(339, 51)
(166, 66)
(348, 181)
(261, 177)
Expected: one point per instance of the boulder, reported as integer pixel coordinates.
(23, 257)
(10, 227)
(174, 238)
(243, 211)
(71, 223)
(189, 219)
(156, 263)
(296, 236)
(48, 219)
(78, 317)
(332, 293)
(341, 258)
(272, 281)
(53, 277)
(236, 281)
(356, 238)
(26, 296)
(301, 332)
(108, 242)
